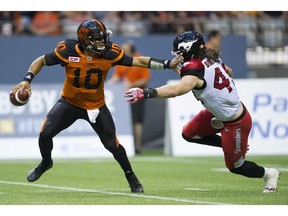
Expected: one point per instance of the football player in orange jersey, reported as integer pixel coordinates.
(87, 62)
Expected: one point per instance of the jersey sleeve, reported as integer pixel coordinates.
(125, 61)
(52, 59)
(64, 49)
(194, 68)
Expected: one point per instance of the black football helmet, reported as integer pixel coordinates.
(93, 30)
(188, 43)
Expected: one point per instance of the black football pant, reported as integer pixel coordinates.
(63, 114)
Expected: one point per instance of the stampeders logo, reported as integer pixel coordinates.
(238, 140)
(73, 59)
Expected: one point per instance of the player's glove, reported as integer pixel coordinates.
(134, 95)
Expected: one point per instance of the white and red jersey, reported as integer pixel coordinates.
(218, 93)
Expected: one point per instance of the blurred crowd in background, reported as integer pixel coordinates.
(262, 28)
(266, 31)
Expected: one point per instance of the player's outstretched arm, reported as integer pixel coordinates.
(156, 64)
(186, 84)
(33, 70)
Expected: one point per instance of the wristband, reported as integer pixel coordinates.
(158, 64)
(29, 76)
(150, 93)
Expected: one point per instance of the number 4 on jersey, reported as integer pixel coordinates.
(220, 81)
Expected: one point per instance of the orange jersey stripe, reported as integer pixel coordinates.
(60, 57)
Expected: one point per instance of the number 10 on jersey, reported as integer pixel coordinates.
(91, 82)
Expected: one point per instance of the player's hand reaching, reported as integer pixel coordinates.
(134, 95)
(176, 62)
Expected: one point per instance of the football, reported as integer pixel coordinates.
(20, 98)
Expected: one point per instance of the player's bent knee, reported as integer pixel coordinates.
(238, 169)
(110, 143)
(185, 131)
(195, 139)
(111, 147)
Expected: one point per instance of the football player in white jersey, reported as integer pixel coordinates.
(203, 72)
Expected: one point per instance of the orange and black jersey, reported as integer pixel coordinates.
(85, 75)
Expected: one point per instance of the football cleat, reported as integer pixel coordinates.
(37, 172)
(271, 178)
(134, 184)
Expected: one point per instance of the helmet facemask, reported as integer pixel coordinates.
(98, 43)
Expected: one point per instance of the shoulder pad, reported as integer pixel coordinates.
(66, 48)
(115, 52)
(193, 67)
(192, 64)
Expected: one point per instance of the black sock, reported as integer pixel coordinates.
(249, 169)
(211, 140)
(121, 157)
(46, 146)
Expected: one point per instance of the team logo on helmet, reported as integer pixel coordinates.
(187, 44)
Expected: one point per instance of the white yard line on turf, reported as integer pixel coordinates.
(196, 189)
(111, 160)
(220, 169)
(114, 193)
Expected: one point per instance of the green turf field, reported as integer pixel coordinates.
(166, 181)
